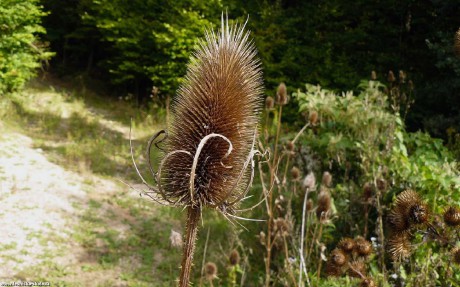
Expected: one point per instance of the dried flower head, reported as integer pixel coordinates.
(281, 95)
(402, 76)
(234, 257)
(399, 246)
(357, 269)
(333, 270)
(373, 76)
(363, 247)
(452, 216)
(313, 118)
(281, 226)
(391, 77)
(418, 213)
(210, 271)
(295, 173)
(338, 257)
(324, 204)
(309, 182)
(327, 179)
(346, 244)
(175, 239)
(269, 103)
(456, 255)
(368, 282)
(457, 43)
(409, 210)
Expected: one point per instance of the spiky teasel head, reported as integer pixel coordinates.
(399, 246)
(338, 257)
(362, 246)
(452, 216)
(234, 257)
(324, 204)
(215, 118)
(456, 255)
(408, 211)
(347, 245)
(457, 43)
(269, 103)
(281, 95)
(295, 173)
(210, 271)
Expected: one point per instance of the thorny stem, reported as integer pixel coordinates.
(193, 218)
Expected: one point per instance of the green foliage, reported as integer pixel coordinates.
(20, 50)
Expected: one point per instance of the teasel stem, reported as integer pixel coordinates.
(193, 218)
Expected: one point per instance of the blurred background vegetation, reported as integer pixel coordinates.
(134, 55)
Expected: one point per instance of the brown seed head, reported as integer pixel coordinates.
(363, 247)
(402, 76)
(282, 226)
(309, 182)
(373, 76)
(333, 270)
(327, 179)
(324, 204)
(457, 43)
(295, 173)
(418, 213)
(452, 216)
(391, 77)
(368, 282)
(281, 95)
(399, 246)
(269, 103)
(220, 97)
(210, 270)
(313, 118)
(347, 245)
(338, 257)
(456, 255)
(357, 269)
(234, 257)
(408, 211)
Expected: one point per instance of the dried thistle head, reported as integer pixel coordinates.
(210, 271)
(363, 247)
(409, 210)
(281, 95)
(333, 270)
(295, 173)
(234, 257)
(457, 43)
(338, 257)
(215, 118)
(455, 255)
(452, 216)
(269, 103)
(324, 204)
(357, 269)
(418, 213)
(399, 246)
(347, 245)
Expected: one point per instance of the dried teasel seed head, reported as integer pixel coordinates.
(234, 257)
(373, 76)
(368, 282)
(215, 118)
(313, 118)
(363, 247)
(324, 204)
(347, 245)
(309, 182)
(210, 271)
(452, 216)
(407, 211)
(269, 103)
(399, 246)
(391, 77)
(457, 43)
(456, 255)
(333, 270)
(338, 257)
(357, 269)
(295, 173)
(281, 95)
(327, 179)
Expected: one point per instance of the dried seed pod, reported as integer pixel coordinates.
(418, 213)
(324, 203)
(368, 282)
(399, 246)
(210, 271)
(313, 118)
(356, 269)
(295, 173)
(333, 270)
(347, 245)
(234, 257)
(456, 255)
(408, 211)
(452, 216)
(338, 257)
(281, 95)
(363, 247)
(309, 182)
(269, 103)
(457, 43)
(391, 77)
(327, 179)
